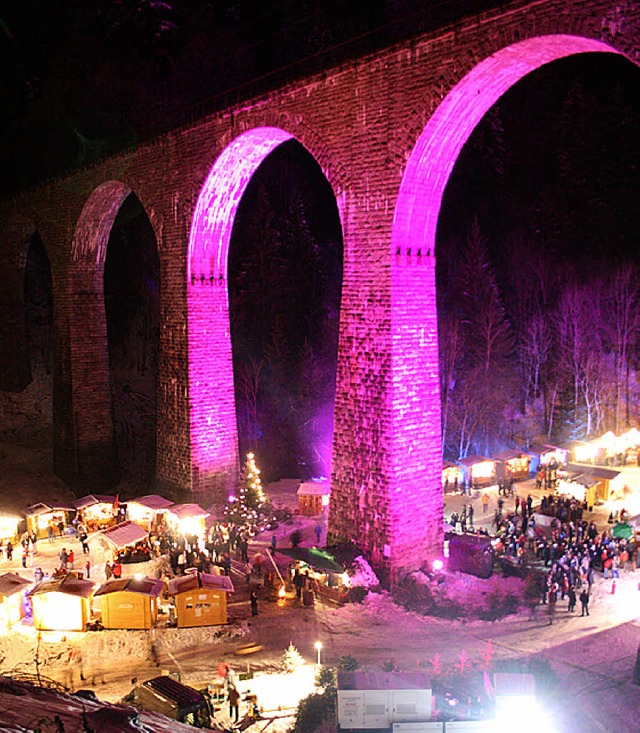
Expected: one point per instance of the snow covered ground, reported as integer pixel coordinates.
(592, 658)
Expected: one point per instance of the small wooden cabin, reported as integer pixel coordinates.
(130, 603)
(478, 471)
(40, 517)
(11, 608)
(604, 482)
(10, 528)
(63, 604)
(512, 465)
(313, 497)
(200, 599)
(147, 510)
(106, 545)
(187, 519)
(96, 511)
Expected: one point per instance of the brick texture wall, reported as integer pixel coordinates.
(369, 125)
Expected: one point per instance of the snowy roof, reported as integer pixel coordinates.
(187, 511)
(191, 581)
(92, 499)
(11, 583)
(472, 460)
(123, 534)
(25, 702)
(597, 472)
(152, 501)
(144, 586)
(68, 584)
(384, 681)
(35, 510)
(508, 455)
(316, 487)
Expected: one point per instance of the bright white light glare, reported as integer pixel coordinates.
(438, 565)
(531, 716)
(317, 645)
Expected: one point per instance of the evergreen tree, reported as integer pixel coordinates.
(250, 505)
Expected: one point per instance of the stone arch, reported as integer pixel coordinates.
(213, 425)
(437, 149)
(91, 419)
(415, 393)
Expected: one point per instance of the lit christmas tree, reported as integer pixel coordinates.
(250, 505)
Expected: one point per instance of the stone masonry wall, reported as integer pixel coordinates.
(361, 122)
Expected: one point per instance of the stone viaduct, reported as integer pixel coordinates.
(386, 130)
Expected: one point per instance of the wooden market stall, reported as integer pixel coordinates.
(313, 497)
(130, 603)
(451, 477)
(200, 599)
(127, 541)
(45, 518)
(11, 528)
(512, 464)
(478, 471)
(62, 604)
(12, 586)
(545, 454)
(187, 519)
(96, 511)
(147, 511)
(608, 481)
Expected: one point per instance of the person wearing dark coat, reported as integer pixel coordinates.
(584, 601)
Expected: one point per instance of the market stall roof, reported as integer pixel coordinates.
(191, 581)
(69, 585)
(472, 460)
(187, 511)
(123, 534)
(384, 681)
(313, 556)
(93, 499)
(584, 479)
(144, 586)
(317, 487)
(508, 455)
(35, 510)
(152, 501)
(596, 472)
(11, 583)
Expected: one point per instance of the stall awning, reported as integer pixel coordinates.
(143, 586)
(622, 530)
(11, 583)
(192, 581)
(68, 584)
(124, 534)
(37, 509)
(312, 556)
(187, 511)
(152, 501)
(93, 499)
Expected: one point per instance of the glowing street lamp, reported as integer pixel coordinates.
(318, 647)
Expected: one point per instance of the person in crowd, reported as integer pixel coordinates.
(584, 602)
(116, 569)
(254, 602)
(64, 558)
(234, 703)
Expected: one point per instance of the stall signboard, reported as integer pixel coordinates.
(374, 701)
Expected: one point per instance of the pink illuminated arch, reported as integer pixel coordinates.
(213, 426)
(437, 149)
(220, 197)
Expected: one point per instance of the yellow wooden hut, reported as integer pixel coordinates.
(313, 497)
(130, 603)
(200, 598)
(62, 604)
(478, 471)
(11, 608)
